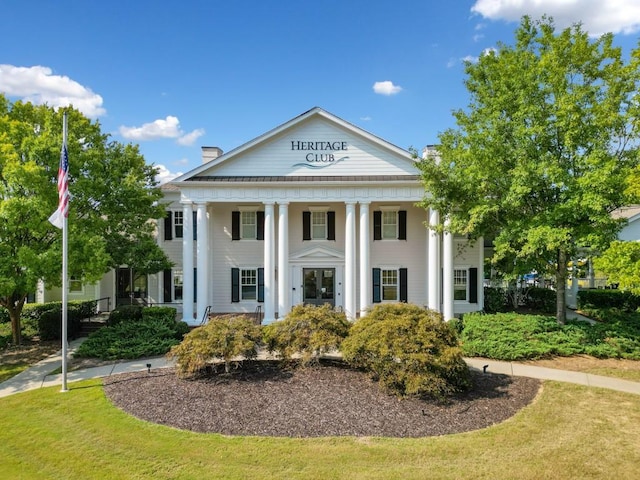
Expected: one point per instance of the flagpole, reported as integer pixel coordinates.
(65, 287)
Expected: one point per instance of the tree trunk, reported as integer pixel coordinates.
(14, 306)
(561, 286)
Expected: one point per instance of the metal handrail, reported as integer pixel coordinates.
(258, 314)
(205, 317)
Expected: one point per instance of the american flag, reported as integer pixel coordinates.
(63, 190)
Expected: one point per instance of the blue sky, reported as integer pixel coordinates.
(174, 76)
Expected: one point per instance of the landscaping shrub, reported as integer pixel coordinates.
(4, 315)
(125, 313)
(409, 350)
(307, 330)
(133, 339)
(159, 313)
(603, 299)
(495, 300)
(221, 338)
(512, 336)
(541, 300)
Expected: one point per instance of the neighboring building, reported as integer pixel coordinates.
(314, 211)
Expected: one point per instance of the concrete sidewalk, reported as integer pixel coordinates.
(40, 376)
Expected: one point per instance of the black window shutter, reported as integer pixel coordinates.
(402, 225)
(235, 225)
(168, 226)
(306, 225)
(195, 284)
(235, 285)
(194, 225)
(166, 288)
(261, 284)
(377, 225)
(473, 285)
(403, 285)
(376, 285)
(331, 225)
(260, 225)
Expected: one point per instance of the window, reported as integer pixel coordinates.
(389, 285)
(178, 282)
(249, 284)
(178, 224)
(75, 285)
(389, 223)
(460, 284)
(248, 225)
(318, 225)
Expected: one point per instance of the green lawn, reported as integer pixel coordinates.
(569, 432)
(8, 371)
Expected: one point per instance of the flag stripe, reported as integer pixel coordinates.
(63, 182)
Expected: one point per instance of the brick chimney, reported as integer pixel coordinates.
(210, 153)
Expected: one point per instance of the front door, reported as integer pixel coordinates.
(131, 287)
(319, 286)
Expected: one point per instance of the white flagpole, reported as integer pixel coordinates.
(65, 287)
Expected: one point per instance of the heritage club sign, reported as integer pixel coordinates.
(319, 154)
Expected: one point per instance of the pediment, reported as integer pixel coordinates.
(317, 253)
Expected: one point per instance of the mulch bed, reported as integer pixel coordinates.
(260, 398)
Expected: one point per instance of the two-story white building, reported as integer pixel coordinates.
(314, 211)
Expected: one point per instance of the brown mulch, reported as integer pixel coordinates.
(259, 398)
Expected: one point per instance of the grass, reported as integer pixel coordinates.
(8, 371)
(569, 432)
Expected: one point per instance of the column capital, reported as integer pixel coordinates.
(284, 203)
(268, 202)
(186, 203)
(365, 203)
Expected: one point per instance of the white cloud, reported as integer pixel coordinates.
(162, 128)
(164, 175)
(386, 88)
(39, 86)
(190, 138)
(470, 58)
(452, 62)
(366, 118)
(597, 16)
(478, 37)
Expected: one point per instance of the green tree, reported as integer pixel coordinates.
(538, 158)
(621, 264)
(113, 191)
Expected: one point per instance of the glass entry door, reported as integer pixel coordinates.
(319, 286)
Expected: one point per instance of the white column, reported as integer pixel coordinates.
(365, 259)
(269, 264)
(350, 262)
(481, 274)
(433, 267)
(447, 273)
(284, 283)
(202, 249)
(187, 264)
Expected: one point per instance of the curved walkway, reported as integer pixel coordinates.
(39, 375)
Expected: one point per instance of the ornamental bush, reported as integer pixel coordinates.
(409, 350)
(223, 338)
(125, 313)
(307, 330)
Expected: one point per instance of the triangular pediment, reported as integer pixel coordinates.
(315, 143)
(317, 253)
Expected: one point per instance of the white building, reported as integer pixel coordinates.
(314, 211)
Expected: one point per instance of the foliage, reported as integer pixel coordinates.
(495, 300)
(542, 300)
(125, 313)
(410, 350)
(620, 263)
(538, 159)
(133, 339)
(113, 195)
(222, 338)
(160, 313)
(307, 330)
(605, 299)
(511, 336)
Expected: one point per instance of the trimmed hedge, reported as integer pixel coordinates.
(159, 313)
(125, 313)
(495, 300)
(541, 300)
(602, 299)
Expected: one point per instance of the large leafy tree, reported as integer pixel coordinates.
(539, 157)
(114, 194)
